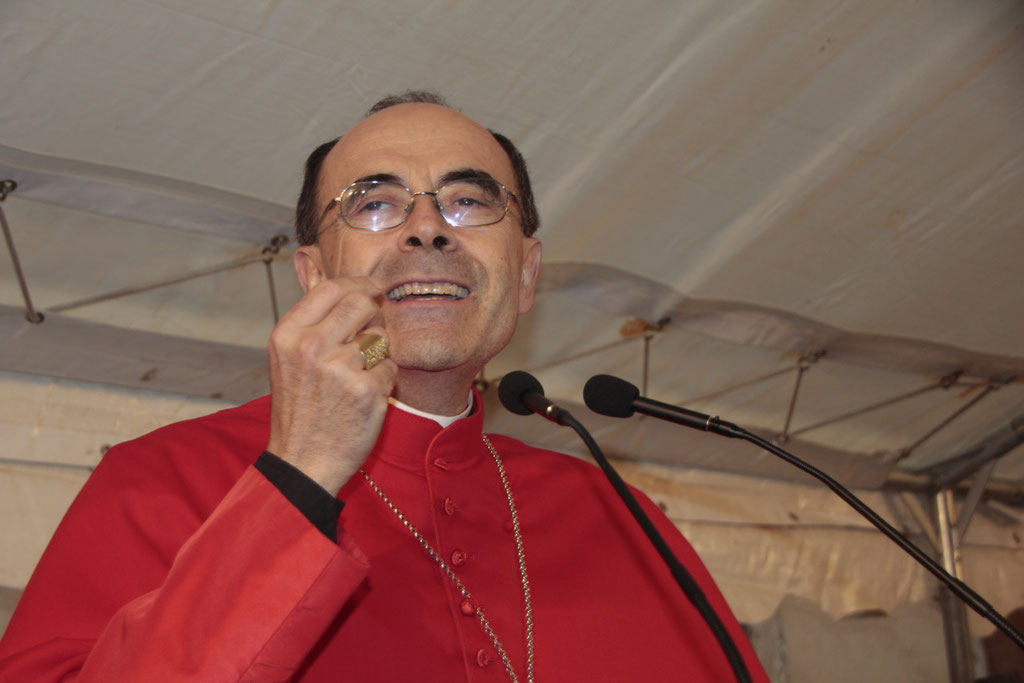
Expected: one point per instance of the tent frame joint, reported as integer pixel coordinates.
(268, 253)
(7, 186)
(803, 364)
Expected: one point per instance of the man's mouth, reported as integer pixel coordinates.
(428, 290)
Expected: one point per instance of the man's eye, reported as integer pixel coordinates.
(374, 205)
(371, 205)
(471, 196)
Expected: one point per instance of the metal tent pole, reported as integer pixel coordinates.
(954, 616)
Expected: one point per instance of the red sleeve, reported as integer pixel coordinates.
(246, 597)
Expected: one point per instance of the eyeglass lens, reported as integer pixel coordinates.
(381, 205)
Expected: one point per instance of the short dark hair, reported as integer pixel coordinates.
(307, 210)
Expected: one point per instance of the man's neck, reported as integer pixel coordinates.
(438, 393)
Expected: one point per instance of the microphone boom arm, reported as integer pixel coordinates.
(609, 395)
(521, 393)
(682, 576)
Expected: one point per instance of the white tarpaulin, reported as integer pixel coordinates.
(804, 217)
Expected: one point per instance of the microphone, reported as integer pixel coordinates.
(522, 394)
(615, 397)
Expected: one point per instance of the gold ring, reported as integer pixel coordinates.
(373, 347)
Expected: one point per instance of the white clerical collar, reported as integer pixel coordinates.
(443, 420)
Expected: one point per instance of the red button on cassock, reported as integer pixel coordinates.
(458, 557)
(468, 607)
(449, 507)
(483, 657)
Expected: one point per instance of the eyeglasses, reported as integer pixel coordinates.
(381, 204)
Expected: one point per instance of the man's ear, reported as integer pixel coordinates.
(531, 271)
(309, 266)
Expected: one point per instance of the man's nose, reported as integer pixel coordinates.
(425, 226)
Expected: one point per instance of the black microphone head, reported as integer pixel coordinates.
(513, 386)
(609, 395)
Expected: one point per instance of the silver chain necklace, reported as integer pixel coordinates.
(457, 582)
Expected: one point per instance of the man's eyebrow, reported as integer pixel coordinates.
(467, 174)
(380, 178)
(472, 174)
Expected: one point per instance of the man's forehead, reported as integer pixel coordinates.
(415, 138)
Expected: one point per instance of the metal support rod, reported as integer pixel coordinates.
(802, 365)
(31, 314)
(1003, 508)
(996, 490)
(647, 362)
(958, 647)
(968, 461)
(957, 413)
(581, 354)
(138, 289)
(269, 251)
(18, 462)
(920, 515)
(272, 248)
(867, 409)
(974, 494)
(734, 387)
(944, 516)
(273, 291)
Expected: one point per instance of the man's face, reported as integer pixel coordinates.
(496, 265)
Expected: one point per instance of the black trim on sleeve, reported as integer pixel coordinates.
(319, 507)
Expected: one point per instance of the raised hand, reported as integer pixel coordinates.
(327, 409)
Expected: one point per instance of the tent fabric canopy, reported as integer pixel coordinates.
(758, 173)
(806, 218)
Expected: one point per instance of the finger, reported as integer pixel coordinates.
(307, 344)
(319, 301)
(353, 314)
(386, 374)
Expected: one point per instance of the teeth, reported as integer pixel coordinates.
(447, 289)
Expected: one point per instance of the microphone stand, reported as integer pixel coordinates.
(522, 394)
(683, 578)
(689, 418)
(958, 587)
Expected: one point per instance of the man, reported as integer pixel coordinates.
(454, 556)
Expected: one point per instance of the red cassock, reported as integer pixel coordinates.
(181, 561)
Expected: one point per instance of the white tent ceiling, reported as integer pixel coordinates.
(735, 196)
(779, 179)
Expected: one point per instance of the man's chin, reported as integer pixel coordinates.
(427, 357)
(441, 350)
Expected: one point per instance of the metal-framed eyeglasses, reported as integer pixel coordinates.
(384, 204)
